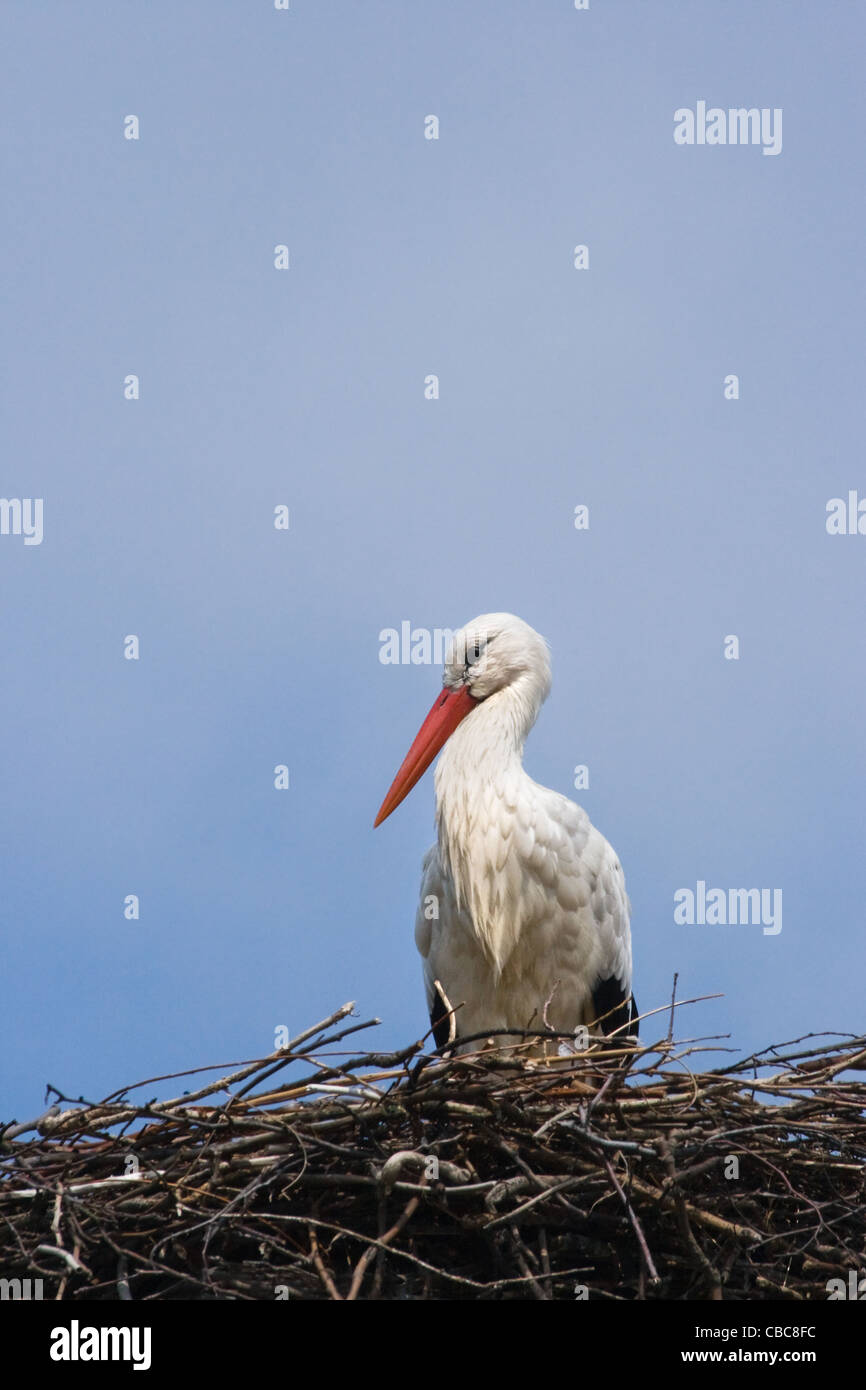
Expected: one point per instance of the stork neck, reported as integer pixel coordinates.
(486, 750)
(480, 782)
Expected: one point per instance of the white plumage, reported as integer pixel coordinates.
(523, 916)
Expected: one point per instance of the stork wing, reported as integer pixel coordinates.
(589, 871)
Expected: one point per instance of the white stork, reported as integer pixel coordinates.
(524, 918)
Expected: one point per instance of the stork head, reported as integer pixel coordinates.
(493, 653)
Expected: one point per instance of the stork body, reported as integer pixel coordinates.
(523, 918)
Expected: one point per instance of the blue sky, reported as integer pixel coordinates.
(558, 387)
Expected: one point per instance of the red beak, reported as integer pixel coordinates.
(449, 708)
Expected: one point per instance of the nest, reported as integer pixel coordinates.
(620, 1173)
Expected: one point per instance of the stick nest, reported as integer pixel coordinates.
(621, 1173)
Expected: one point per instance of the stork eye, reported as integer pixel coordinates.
(474, 653)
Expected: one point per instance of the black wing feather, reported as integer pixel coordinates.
(440, 1020)
(614, 1006)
